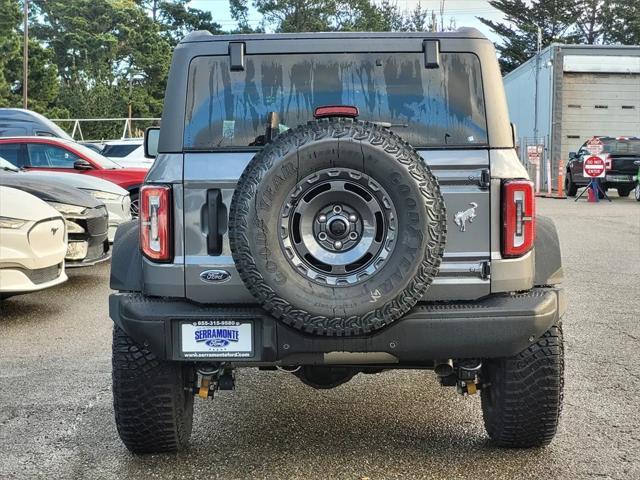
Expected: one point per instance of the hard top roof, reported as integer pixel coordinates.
(206, 36)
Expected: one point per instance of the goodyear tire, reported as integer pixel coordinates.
(522, 402)
(152, 403)
(337, 227)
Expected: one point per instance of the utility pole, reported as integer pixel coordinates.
(535, 114)
(25, 55)
(130, 100)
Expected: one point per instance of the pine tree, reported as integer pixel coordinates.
(622, 22)
(519, 42)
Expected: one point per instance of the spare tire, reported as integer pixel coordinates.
(337, 227)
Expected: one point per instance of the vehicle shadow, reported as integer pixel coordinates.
(55, 301)
(25, 306)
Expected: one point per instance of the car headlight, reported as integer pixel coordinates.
(102, 195)
(11, 223)
(73, 227)
(126, 203)
(67, 209)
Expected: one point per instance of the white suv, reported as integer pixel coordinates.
(128, 152)
(33, 243)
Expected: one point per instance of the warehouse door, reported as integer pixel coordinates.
(598, 104)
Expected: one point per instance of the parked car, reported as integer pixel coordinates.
(55, 154)
(116, 199)
(637, 187)
(16, 122)
(33, 244)
(299, 224)
(621, 152)
(86, 218)
(127, 152)
(95, 146)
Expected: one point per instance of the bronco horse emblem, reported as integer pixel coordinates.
(461, 218)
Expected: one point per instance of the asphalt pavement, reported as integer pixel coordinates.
(56, 416)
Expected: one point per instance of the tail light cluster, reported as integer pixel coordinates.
(155, 222)
(518, 217)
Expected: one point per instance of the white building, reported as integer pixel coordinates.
(582, 91)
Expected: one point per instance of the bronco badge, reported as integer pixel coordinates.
(215, 276)
(460, 218)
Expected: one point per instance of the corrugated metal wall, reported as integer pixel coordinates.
(582, 91)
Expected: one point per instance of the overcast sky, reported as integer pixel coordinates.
(464, 12)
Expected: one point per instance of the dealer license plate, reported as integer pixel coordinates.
(619, 178)
(216, 338)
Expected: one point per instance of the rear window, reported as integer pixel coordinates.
(118, 151)
(427, 107)
(11, 152)
(620, 147)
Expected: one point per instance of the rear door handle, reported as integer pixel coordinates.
(214, 237)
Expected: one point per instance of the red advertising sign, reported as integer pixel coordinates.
(594, 167)
(595, 146)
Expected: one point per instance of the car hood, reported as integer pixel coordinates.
(77, 180)
(15, 203)
(48, 190)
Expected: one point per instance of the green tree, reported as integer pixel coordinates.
(43, 82)
(335, 15)
(9, 47)
(109, 54)
(519, 32)
(177, 19)
(622, 22)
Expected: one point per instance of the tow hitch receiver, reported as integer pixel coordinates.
(465, 377)
(209, 381)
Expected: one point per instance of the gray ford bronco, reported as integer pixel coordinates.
(328, 205)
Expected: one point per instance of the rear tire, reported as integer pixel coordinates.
(522, 401)
(637, 192)
(570, 187)
(624, 192)
(153, 408)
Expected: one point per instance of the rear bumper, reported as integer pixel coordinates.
(496, 326)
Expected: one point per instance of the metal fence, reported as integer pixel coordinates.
(131, 127)
(540, 167)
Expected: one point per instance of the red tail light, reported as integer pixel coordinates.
(155, 222)
(518, 217)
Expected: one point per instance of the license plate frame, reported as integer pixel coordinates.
(218, 338)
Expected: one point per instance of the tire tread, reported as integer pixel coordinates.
(240, 230)
(148, 399)
(522, 403)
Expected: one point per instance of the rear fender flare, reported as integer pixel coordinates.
(548, 259)
(126, 262)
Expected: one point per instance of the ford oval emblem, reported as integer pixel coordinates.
(215, 276)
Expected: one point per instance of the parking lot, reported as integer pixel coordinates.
(56, 417)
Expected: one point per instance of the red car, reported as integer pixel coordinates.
(58, 154)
